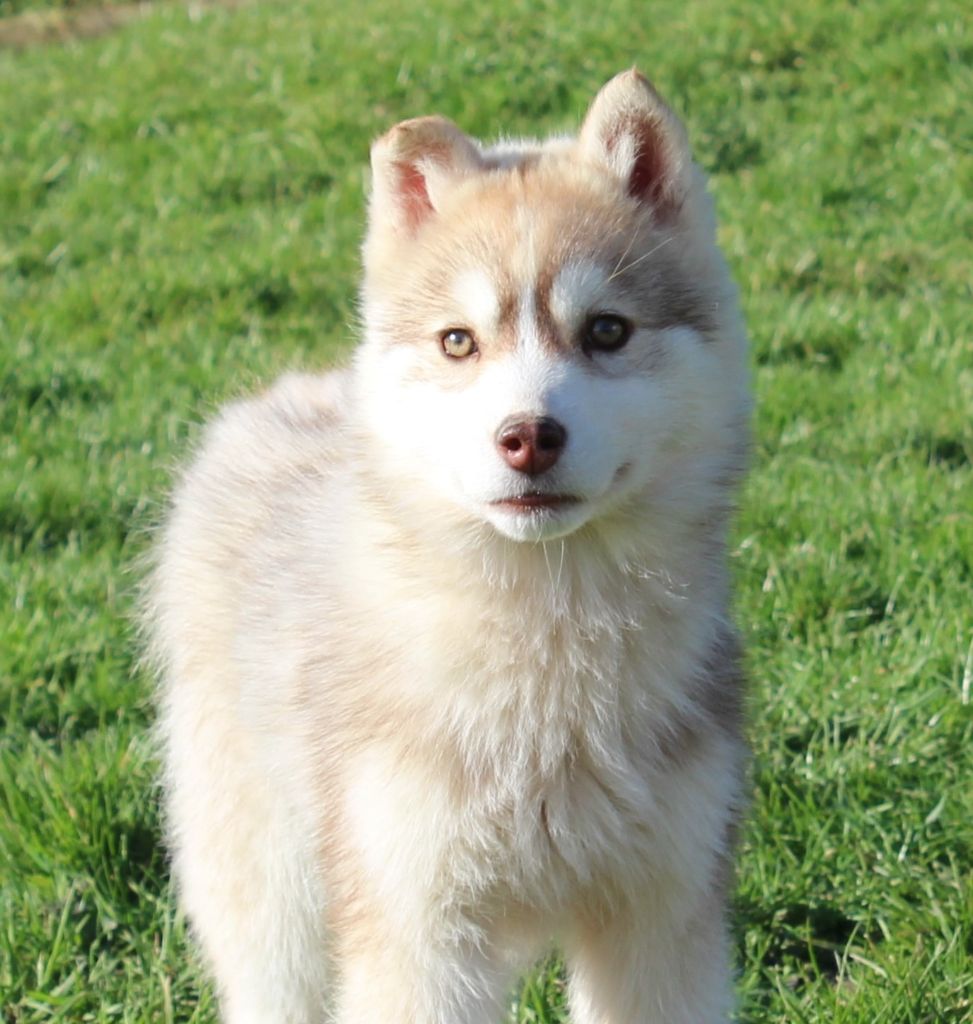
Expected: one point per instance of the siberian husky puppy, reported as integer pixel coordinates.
(447, 667)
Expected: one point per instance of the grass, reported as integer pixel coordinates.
(181, 205)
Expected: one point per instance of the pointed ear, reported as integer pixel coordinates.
(413, 166)
(631, 130)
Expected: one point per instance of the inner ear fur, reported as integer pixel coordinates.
(631, 130)
(414, 165)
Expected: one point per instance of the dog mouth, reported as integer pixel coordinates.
(535, 501)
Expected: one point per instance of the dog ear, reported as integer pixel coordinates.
(630, 128)
(413, 166)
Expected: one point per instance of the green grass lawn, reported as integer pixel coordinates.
(180, 210)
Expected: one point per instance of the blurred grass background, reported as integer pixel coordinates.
(9, 8)
(13, 7)
(180, 211)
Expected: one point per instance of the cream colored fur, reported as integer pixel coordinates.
(414, 736)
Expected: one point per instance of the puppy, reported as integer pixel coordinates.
(447, 668)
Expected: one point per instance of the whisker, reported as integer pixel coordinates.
(628, 249)
(644, 256)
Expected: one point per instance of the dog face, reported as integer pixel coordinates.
(546, 326)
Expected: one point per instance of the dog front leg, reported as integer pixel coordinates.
(651, 969)
(424, 983)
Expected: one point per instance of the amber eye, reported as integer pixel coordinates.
(457, 343)
(605, 332)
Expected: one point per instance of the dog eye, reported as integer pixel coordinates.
(457, 343)
(605, 333)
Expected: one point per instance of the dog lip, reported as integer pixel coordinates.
(535, 500)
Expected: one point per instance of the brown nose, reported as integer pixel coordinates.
(531, 446)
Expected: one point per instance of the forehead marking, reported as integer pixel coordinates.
(534, 356)
(537, 330)
(528, 337)
(475, 294)
(577, 288)
(550, 334)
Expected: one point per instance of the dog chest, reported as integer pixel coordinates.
(506, 833)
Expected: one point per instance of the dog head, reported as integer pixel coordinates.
(551, 332)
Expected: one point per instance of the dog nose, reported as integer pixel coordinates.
(531, 446)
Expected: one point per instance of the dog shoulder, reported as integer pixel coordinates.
(255, 456)
(257, 443)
